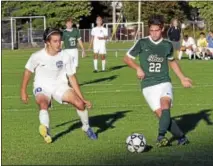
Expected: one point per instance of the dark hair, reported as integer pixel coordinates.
(48, 32)
(156, 20)
(202, 33)
(185, 36)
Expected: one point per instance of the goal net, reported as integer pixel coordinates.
(19, 32)
(129, 31)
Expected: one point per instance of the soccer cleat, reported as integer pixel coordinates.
(90, 133)
(44, 133)
(183, 141)
(95, 71)
(162, 141)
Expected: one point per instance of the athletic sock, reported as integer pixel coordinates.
(84, 119)
(175, 130)
(164, 122)
(95, 64)
(44, 118)
(103, 64)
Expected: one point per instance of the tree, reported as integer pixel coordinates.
(205, 10)
(55, 11)
(168, 9)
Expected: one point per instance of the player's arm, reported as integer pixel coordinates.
(186, 82)
(91, 42)
(129, 59)
(25, 81)
(82, 47)
(70, 70)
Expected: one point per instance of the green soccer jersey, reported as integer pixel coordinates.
(70, 38)
(153, 57)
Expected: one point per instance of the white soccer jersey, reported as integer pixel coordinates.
(50, 70)
(189, 42)
(99, 32)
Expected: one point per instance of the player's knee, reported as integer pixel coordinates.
(79, 104)
(43, 105)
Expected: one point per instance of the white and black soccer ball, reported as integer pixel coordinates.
(136, 143)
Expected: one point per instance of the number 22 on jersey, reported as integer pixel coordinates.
(154, 67)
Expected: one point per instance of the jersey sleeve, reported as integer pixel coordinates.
(32, 63)
(63, 36)
(93, 32)
(106, 32)
(170, 55)
(135, 50)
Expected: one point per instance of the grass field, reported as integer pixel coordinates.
(119, 109)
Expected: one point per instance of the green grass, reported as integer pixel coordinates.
(119, 110)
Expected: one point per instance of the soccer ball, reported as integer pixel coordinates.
(136, 143)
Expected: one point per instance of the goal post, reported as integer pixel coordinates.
(125, 31)
(12, 29)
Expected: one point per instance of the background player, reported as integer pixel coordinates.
(71, 37)
(99, 37)
(155, 54)
(51, 66)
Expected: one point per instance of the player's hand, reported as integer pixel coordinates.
(88, 104)
(186, 82)
(83, 53)
(140, 73)
(24, 97)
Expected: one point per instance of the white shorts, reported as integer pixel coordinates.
(153, 94)
(210, 49)
(99, 49)
(55, 92)
(74, 55)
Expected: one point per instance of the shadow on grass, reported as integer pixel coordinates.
(110, 78)
(103, 122)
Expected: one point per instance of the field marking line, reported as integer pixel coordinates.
(99, 107)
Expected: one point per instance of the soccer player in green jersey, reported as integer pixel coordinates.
(155, 56)
(71, 36)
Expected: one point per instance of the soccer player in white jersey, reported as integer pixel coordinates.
(99, 37)
(188, 46)
(71, 38)
(51, 65)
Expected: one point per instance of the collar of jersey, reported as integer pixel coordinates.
(69, 30)
(155, 42)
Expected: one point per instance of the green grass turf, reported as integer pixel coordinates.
(119, 110)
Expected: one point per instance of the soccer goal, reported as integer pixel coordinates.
(126, 31)
(26, 31)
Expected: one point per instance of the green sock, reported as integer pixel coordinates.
(175, 130)
(164, 122)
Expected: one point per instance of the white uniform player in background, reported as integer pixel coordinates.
(51, 65)
(188, 46)
(99, 37)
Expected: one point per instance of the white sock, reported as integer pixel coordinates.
(95, 64)
(84, 119)
(190, 55)
(180, 55)
(44, 118)
(103, 64)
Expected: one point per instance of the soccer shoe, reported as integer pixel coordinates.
(90, 133)
(183, 141)
(44, 133)
(95, 71)
(162, 141)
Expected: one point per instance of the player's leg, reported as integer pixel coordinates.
(64, 94)
(152, 95)
(180, 55)
(189, 52)
(43, 100)
(166, 123)
(95, 62)
(103, 60)
(103, 57)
